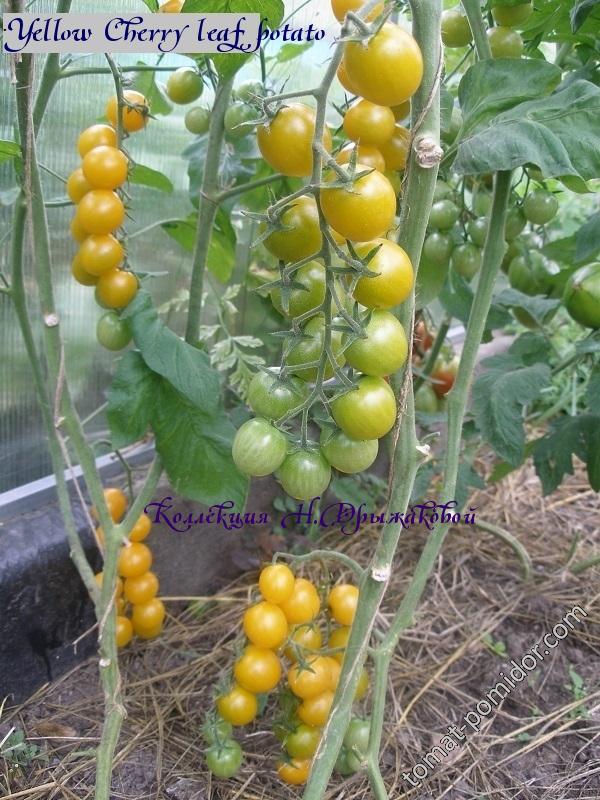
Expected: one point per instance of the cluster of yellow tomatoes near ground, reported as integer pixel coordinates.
(358, 212)
(100, 212)
(284, 624)
(139, 610)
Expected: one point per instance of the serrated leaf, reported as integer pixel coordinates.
(559, 134)
(271, 12)
(196, 450)
(185, 367)
(457, 298)
(221, 252)
(503, 468)
(587, 239)
(569, 436)
(493, 86)
(593, 390)
(147, 176)
(499, 396)
(531, 348)
(9, 150)
(145, 82)
(539, 307)
(130, 400)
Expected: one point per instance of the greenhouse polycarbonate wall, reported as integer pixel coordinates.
(76, 103)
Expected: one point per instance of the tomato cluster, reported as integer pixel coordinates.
(100, 212)
(504, 40)
(354, 210)
(139, 610)
(285, 624)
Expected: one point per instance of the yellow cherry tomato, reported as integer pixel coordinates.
(77, 185)
(338, 638)
(265, 625)
(105, 167)
(315, 710)
(134, 560)
(394, 279)
(80, 274)
(342, 602)
(258, 670)
(311, 679)
(135, 115)
(303, 605)
(362, 210)
(78, 232)
(148, 615)
(141, 529)
(124, 631)
(100, 211)
(395, 149)
(300, 235)
(148, 633)
(238, 706)
(276, 583)
(308, 638)
(368, 123)
(341, 7)
(294, 772)
(116, 288)
(366, 154)
(363, 685)
(141, 589)
(286, 142)
(99, 253)
(95, 136)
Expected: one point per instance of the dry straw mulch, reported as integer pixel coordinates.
(543, 742)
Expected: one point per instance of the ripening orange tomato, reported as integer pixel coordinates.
(100, 211)
(135, 115)
(286, 142)
(387, 70)
(116, 288)
(123, 631)
(141, 529)
(366, 154)
(100, 253)
(95, 136)
(134, 560)
(105, 167)
(276, 583)
(395, 150)
(77, 185)
(141, 588)
(342, 602)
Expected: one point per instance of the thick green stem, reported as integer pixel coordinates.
(417, 200)
(207, 209)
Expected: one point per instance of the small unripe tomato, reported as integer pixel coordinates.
(134, 560)
(112, 332)
(197, 120)
(184, 85)
(505, 43)
(94, 136)
(105, 167)
(276, 583)
(123, 631)
(135, 115)
(512, 15)
(456, 31)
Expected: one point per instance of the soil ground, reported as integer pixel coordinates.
(541, 743)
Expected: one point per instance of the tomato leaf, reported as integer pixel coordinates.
(9, 150)
(539, 307)
(500, 393)
(559, 134)
(150, 177)
(587, 240)
(580, 12)
(493, 86)
(152, 5)
(569, 436)
(130, 400)
(145, 82)
(457, 298)
(196, 449)
(288, 52)
(221, 252)
(185, 367)
(466, 480)
(593, 390)
(271, 12)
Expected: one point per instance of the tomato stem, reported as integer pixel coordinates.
(473, 12)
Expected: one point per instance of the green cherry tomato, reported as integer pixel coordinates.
(515, 222)
(540, 206)
(357, 735)
(513, 249)
(505, 43)
(184, 86)
(367, 411)
(482, 203)
(309, 349)
(224, 760)
(430, 280)
(456, 31)
(466, 260)
(444, 214)
(258, 448)
(217, 730)
(249, 91)
(437, 248)
(531, 273)
(272, 398)
(426, 399)
(303, 742)
(112, 332)
(311, 277)
(197, 120)
(300, 235)
(478, 229)
(582, 296)
(441, 191)
(305, 474)
(512, 15)
(348, 455)
(239, 120)
(385, 348)
(456, 120)
(341, 765)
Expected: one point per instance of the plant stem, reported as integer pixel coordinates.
(473, 11)
(207, 208)
(581, 566)
(417, 200)
(440, 338)
(247, 187)
(511, 541)
(71, 73)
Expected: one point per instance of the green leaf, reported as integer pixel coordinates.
(145, 82)
(288, 52)
(152, 5)
(580, 12)
(503, 468)
(221, 251)
(150, 177)
(185, 367)
(499, 396)
(587, 240)
(569, 436)
(271, 13)
(466, 480)
(457, 299)
(559, 134)
(237, 163)
(195, 447)
(531, 348)
(495, 85)
(593, 390)
(9, 150)
(539, 307)
(131, 399)
(446, 106)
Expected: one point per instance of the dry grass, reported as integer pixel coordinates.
(541, 743)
